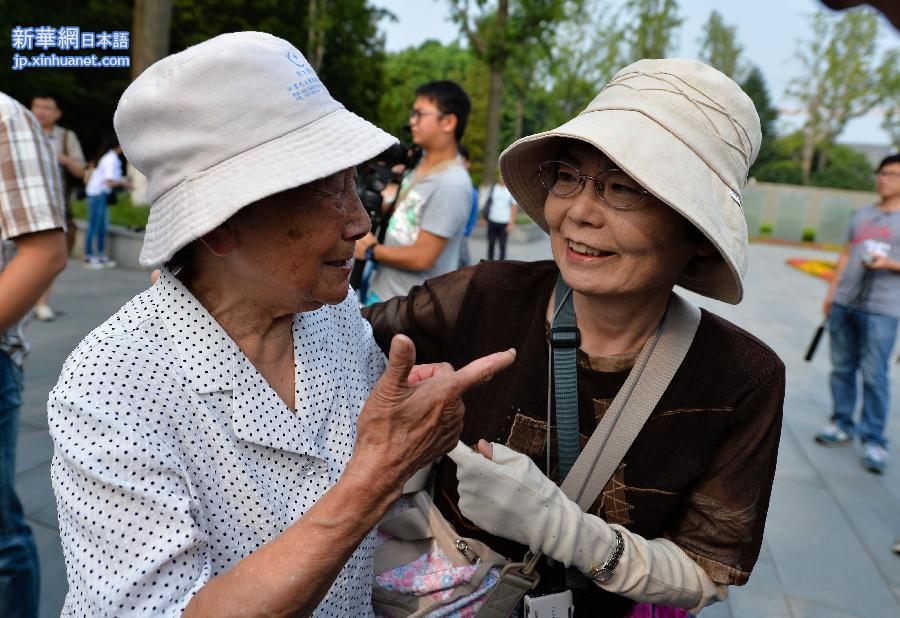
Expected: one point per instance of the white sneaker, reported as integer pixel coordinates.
(107, 263)
(832, 435)
(93, 263)
(875, 458)
(44, 313)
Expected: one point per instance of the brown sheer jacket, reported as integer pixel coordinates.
(700, 471)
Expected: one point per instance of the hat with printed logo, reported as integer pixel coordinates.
(226, 123)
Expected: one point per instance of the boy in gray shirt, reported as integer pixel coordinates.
(425, 232)
(863, 310)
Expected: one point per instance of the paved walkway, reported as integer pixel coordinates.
(827, 545)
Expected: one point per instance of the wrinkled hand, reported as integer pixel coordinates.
(414, 414)
(510, 497)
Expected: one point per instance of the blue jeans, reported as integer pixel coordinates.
(96, 228)
(19, 575)
(861, 342)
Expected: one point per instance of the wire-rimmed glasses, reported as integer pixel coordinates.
(614, 187)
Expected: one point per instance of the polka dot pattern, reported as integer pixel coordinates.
(174, 458)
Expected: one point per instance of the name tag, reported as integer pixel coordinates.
(554, 605)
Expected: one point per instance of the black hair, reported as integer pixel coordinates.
(450, 98)
(109, 142)
(888, 160)
(182, 263)
(463, 152)
(45, 95)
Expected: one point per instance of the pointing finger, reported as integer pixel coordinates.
(482, 369)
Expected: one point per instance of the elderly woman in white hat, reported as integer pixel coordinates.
(217, 449)
(639, 193)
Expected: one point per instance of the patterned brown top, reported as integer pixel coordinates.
(700, 471)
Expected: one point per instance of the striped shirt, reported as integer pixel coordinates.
(31, 198)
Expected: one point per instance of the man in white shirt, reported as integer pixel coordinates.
(500, 212)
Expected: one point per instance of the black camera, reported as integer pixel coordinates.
(377, 173)
(371, 179)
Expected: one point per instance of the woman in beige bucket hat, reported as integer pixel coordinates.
(639, 193)
(217, 450)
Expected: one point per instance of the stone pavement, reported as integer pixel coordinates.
(827, 545)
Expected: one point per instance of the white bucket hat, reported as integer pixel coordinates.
(684, 131)
(226, 123)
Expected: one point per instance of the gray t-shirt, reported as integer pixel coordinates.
(438, 203)
(872, 230)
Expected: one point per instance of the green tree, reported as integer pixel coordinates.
(845, 169)
(89, 97)
(889, 79)
(839, 80)
(493, 32)
(341, 37)
(755, 87)
(650, 28)
(587, 50)
(719, 47)
(408, 69)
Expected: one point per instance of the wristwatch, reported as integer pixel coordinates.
(606, 570)
(370, 252)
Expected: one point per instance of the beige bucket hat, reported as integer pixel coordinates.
(226, 123)
(684, 131)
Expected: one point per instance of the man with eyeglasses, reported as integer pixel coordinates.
(863, 310)
(425, 232)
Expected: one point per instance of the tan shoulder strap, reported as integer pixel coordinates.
(654, 368)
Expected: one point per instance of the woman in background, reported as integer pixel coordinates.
(102, 176)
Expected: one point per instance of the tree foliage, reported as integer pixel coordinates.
(343, 36)
(889, 78)
(410, 68)
(88, 97)
(587, 50)
(755, 87)
(845, 168)
(840, 79)
(842, 166)
(495, 32)
(719, 47)
(651, 30)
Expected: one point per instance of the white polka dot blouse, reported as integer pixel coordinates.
(174, 458)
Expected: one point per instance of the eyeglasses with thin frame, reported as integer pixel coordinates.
(887, 174)
(416, 115)
(613, 187)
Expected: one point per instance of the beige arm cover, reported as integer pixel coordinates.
(646, 565)
(510, 497)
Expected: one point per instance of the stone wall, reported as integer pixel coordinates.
(785, 212)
